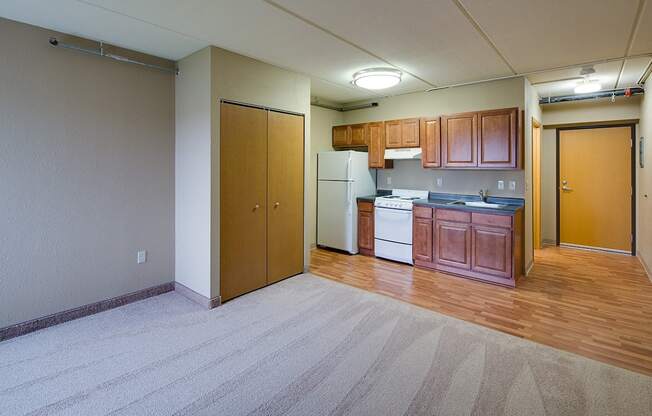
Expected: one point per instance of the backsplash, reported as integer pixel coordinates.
(408, 174)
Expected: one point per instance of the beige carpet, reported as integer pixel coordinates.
(305, 346)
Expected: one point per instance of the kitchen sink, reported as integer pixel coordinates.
(479, 204)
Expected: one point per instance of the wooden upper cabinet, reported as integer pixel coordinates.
(393, 134)
(497, 138)
(459, 139)
(410, 132)
(341, 136)
(358, 135)
(376, 148)
(430, 143)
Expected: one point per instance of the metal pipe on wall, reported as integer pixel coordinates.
(100, 52)
(601, 94)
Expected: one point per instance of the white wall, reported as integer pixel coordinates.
(321, 123)
(645, 186)
(86, 176)
(491, 95)
(193, 173)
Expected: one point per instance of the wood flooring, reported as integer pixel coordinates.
(593, 304)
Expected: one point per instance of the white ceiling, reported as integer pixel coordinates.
(434, 42)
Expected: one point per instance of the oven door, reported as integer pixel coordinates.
(393, 225)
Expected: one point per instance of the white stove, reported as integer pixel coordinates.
(393, 224)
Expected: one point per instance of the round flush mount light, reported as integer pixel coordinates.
(377, 78)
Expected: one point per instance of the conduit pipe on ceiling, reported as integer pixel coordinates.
(596, 95)
(101, 52)
(344, 109)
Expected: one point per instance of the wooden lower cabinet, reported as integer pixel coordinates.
(366, 228)
(453, 244)
(480, 246)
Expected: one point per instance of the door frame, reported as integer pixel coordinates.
(536, 124)
(632, 128)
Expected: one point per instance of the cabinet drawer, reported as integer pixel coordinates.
(452, 215)
(422, 212)
(365, 206)
(492, 220)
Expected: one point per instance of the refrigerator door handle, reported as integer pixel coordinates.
(349, 196)
(348, 168)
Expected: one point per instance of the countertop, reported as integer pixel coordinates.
(438, 200)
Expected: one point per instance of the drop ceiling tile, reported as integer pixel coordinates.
(431, 39)
(642, 42)
(563, 82)
(535, 34)
(632, 72)
(80, 19)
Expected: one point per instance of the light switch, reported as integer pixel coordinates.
(501, 185)
(512, 185)
(142, 256)
(389, 180)
(440, 181)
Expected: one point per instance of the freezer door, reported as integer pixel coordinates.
(334, 166)
(335, 222)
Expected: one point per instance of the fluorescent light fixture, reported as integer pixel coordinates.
(588, 86)
(377, 78)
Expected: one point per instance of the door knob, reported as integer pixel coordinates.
(256, 207)
(276, 204)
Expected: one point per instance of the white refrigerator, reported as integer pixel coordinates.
(341, 178)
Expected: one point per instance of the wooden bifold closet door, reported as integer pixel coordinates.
(243, 189)
(261, 198)
(284, 196)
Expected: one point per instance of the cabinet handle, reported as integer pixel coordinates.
(276, 204)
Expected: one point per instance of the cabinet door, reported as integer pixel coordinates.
(366, 232)
(430, 143)
(410, 132)
(358, 135)
(393, 137)
(453, 244)
(243, 165)
(459, 137)
(376, 149)
(492, 251)
(285, 196)
(422, 239)
(497, 138)
(341, 136)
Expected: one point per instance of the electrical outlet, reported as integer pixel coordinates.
(142, 256)
(501, 185)
(512, 185)
(440, 181)
(389, 180)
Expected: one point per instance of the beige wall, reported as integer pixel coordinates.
(86, 176)
(574, 113)
(193, 173)
(408, 174)
(592, 111)
(532, 111)
(321, 122)
(645, 186)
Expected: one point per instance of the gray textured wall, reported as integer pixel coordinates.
(86, 176)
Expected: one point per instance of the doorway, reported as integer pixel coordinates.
(595, 182)
(536, 184)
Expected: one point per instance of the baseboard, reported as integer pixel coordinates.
(645, 266)
(548, 242)
(26, 327)
(198, 298)
(528, 269)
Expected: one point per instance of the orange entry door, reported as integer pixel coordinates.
(595, 188)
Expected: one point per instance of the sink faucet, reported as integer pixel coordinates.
(484, 193)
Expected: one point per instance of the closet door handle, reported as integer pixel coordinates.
(256, 207)
(276, 204)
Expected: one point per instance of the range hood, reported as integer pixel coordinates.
(407, 153)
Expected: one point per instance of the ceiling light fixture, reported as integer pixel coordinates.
(587, 85)
(377, 78)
